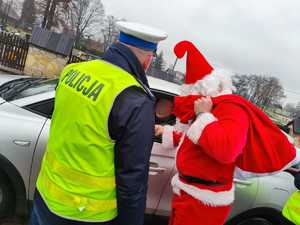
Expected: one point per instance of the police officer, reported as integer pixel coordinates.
(95, 168)
(291, 209)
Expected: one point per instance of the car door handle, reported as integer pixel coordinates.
(155, 169)
(243, 182)
(158, 169)
(22, 143)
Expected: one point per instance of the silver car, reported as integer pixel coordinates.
(26, 107)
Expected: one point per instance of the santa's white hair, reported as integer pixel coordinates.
(216, 83)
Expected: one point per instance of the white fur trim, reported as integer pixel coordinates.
(181, 127)
(213, 84)
(167, 137)
(196, 129)
(225, 92)
(206, 196)
(186, 89)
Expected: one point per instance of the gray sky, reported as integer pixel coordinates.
(253, 36)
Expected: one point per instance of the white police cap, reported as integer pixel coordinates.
(140, 35)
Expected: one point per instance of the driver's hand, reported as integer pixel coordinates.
(159, 130)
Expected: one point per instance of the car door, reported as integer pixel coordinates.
(162, 161)
(43, 108)
(274, 190)
(19, 132)
(245, 195)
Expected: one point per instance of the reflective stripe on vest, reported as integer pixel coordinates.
(82, 204)
(77, 177)
(291, 210)
(100, 183)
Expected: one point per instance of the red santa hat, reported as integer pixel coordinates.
(201, 77)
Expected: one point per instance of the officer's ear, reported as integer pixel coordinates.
(148, 61)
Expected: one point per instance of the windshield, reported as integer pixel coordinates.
(26, 87)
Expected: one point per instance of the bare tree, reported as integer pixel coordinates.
(297, 113)
(110, 31)
(159, 62)
(243, 85)
(28, 14)
(51, 12)
(291, 108)
(85, 16)
(272, 93)
(6, 7)
(1, 10)
(261, 90)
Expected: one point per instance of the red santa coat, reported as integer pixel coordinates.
(234, 136)
(217, 143)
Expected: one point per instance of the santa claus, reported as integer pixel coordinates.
(217, 134)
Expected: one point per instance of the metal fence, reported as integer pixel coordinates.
(13, 51)
(75, 59)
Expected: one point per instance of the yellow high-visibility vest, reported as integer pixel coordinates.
(77, 177)
(291, 210)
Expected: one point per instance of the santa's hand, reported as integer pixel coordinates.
(203, 105)
(159, 130)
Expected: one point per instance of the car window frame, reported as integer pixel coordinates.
(171, 97)
(156, 92)
(31, 109)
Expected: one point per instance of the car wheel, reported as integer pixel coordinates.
(7, 197)
(257, 216)
(255, 221)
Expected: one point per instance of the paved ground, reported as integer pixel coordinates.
(149, 220)
(11, 222)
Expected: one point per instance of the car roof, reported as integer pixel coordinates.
(163, 85)
(4, 78)
(154, 83)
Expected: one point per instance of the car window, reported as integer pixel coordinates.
(163, 110)
(39, 88)
(44, 108)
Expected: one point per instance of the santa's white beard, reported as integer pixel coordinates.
(214, 84)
